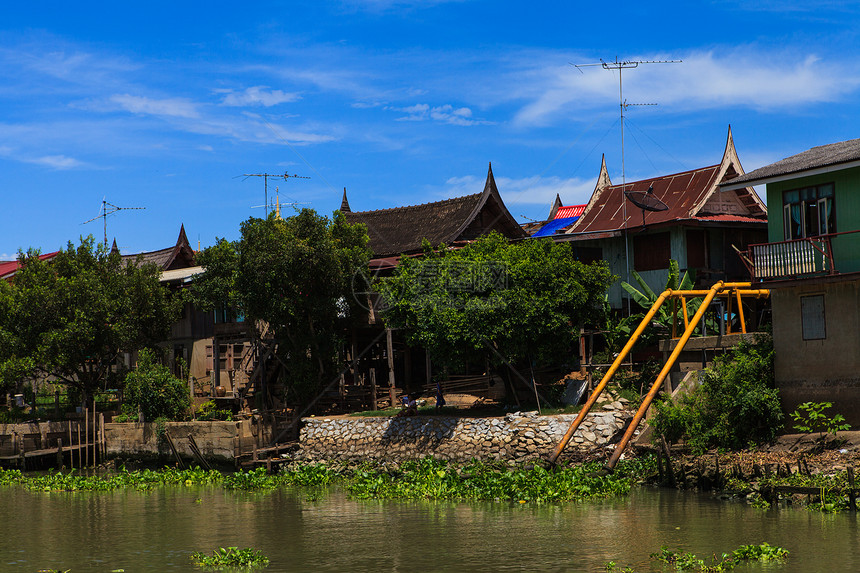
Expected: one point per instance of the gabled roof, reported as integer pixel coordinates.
(821, 159)
(403, 229)
(9, 268)
(689, 195)
(179, 256)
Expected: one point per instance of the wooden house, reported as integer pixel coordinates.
(693, 221)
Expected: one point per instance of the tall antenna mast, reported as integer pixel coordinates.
(624, 65)
(109, 209)
(265, 177)
(277, 204)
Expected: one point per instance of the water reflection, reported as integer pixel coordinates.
(158, 530)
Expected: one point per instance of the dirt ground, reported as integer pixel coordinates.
(794, 450)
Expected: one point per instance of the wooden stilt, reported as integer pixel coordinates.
(86, 437)
(59, 453)
(71, 449)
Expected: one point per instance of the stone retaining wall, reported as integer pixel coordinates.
(516, 437)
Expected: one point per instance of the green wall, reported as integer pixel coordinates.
(846, 248)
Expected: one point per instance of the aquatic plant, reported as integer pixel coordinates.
(231, 557)
(683, 561)
(255, 479)
(419, 479)
(310, 475)
(434, 479)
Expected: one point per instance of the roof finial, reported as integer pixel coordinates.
(556, 205)
(344, 204)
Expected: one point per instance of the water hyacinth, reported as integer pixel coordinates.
(420, 479)
(433, 479)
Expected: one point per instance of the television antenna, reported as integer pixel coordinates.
(285, 176)
(277, 204)
(622, 104)
(109, 209)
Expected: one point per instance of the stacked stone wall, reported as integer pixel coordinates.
(516, 437)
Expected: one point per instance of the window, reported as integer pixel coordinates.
(808, 212)
(651, 252)
(812, 317)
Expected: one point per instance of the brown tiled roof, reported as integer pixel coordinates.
(179, 256)
(818, 157)
(403, 229)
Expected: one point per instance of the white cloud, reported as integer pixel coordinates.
(171, 107)
(739, 77)
(56, 161)
(258, 95)
(443, 114)
(525, 191)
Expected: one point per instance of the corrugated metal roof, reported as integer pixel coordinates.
(681, 192)
(730, 218)
(9, 268)
(180, 274)
(569, 211)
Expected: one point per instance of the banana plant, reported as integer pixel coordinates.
(646, 297)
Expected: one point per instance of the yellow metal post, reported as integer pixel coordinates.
(655, 388)
(741, 312)
(608, 376)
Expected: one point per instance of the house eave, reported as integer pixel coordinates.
(730, 186)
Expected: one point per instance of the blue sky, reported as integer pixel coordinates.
(401, 102)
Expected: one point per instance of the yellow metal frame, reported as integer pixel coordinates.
(721, 288)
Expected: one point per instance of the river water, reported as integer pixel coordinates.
(300, 531)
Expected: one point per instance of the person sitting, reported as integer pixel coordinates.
(410, 406)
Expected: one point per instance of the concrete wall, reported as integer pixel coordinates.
(35, 436)
(518, 437)
(216, 440)
(825, 370)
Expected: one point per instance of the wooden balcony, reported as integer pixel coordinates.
(799, 258)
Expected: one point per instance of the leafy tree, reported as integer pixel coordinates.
(71, 317)
(153, 391)
(525, 299)
(735, 404)
(294, 274)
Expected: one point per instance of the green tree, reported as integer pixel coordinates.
(525, 299)
(153, 391)
(294, 274)
(71, 317)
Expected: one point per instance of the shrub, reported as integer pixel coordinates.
(209, 411)
(736, 403)
(152, 390)
(809, 417)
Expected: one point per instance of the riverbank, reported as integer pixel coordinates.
(796, 469)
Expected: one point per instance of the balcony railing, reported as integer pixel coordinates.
(812, 256)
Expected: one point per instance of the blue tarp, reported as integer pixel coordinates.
(554, 225)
